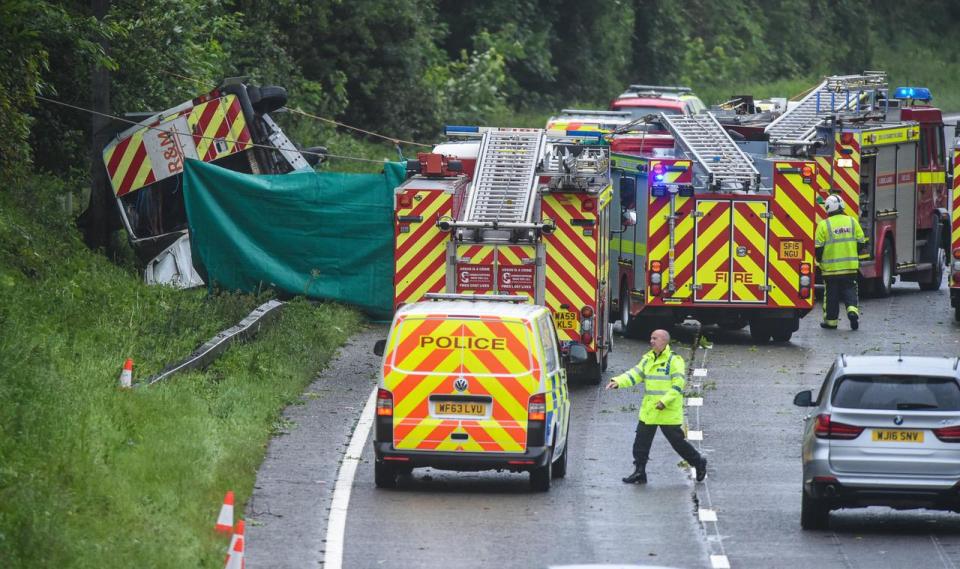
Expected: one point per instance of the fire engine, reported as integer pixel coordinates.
(886, 159)
(955, 230)
(712, 232)
(532, 219)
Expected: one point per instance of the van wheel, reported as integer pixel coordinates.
(384, 475)
(814, 514)
(540, 477)
(560, 466)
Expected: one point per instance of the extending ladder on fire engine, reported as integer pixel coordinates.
(711, 147)
(505, 182)
(839, 93)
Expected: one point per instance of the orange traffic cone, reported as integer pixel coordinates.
(235, 561)
(225, 520)
(238, 534)
(126, 376)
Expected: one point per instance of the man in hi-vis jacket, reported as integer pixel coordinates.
(663, 375)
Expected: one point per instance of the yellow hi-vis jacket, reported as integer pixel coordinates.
(664, 377)
(839, 235)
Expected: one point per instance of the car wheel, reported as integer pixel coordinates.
(759, 331)
(814, 514)
(384, 475)
(936, 273)
(884, 284)
(540, 477)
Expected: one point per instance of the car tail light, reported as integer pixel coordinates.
(405, 201)
(537, 408)
(948, 434)
(827, 429)
(384, 403)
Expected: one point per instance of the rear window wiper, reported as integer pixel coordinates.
(917, 406)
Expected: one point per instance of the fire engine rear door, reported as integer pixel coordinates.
(730, 253)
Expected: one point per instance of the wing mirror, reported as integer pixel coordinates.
(379, 347)
(804, 399)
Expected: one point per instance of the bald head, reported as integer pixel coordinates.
(659, 340)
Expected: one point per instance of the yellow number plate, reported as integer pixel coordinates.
(791, 250)
(566, 320)
(897, 436)
(459, 408)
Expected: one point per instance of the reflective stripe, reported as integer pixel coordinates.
(674, 375)
(656, 377)
(654, 392)
(839, 260)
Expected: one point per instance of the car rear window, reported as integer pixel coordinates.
(897, 393)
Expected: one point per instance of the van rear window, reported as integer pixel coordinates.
(475, 346)
(897, 393)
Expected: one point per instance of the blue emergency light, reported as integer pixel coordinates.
(454, 129)
(914, 93)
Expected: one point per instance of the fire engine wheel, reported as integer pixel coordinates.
(956, 313)
(782, 336)
(936, 273)
(540, 477)
(760, 331)
(384, 475)
(591, 370)
(884, 284)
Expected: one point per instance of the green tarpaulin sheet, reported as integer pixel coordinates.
(321, 235)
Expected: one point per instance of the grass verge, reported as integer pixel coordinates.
(92, 476)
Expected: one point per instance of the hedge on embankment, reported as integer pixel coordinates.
(95, 476)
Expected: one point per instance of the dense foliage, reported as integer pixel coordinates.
(404, 68)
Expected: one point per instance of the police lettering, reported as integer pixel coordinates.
(463, 343)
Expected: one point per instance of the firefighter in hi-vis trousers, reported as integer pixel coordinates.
(663, 375)
(839, 240)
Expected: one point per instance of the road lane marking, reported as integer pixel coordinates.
(694, 401)
(694, 435)
(337, 521)
(707, 515)
(719, 562)
(700, 372)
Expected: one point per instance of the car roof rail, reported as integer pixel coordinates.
(843, 359)
(956, 362)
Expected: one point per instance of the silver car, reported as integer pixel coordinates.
(883, 431)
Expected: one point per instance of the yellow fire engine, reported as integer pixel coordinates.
(713, 230)
(955, 231)
(513, 211)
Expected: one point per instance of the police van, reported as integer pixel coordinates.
(473, 383)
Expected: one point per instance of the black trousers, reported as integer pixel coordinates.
(674, 434)
(837, 289)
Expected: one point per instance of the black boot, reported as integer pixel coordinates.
(701, 469)
(638, 477)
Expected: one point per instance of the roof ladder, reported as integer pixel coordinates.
(834, 94)
(505, 181)
(712, 148)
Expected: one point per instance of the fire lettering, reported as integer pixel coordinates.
(738, 277)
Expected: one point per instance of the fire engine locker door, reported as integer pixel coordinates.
(748, 282)
(906, 232)
(868, 196)
(711, 257)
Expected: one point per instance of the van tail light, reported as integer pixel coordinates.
(384, 403)
(827, 429)
(948, 434)
(537, 408)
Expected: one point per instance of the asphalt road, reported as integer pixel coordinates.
(751, 435)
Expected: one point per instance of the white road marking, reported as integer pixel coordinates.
(707, 515)
(694, 435)
(694, 401)
(700, 372)
(719, 562)
(337, 522)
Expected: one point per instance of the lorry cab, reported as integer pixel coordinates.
(472, 385)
